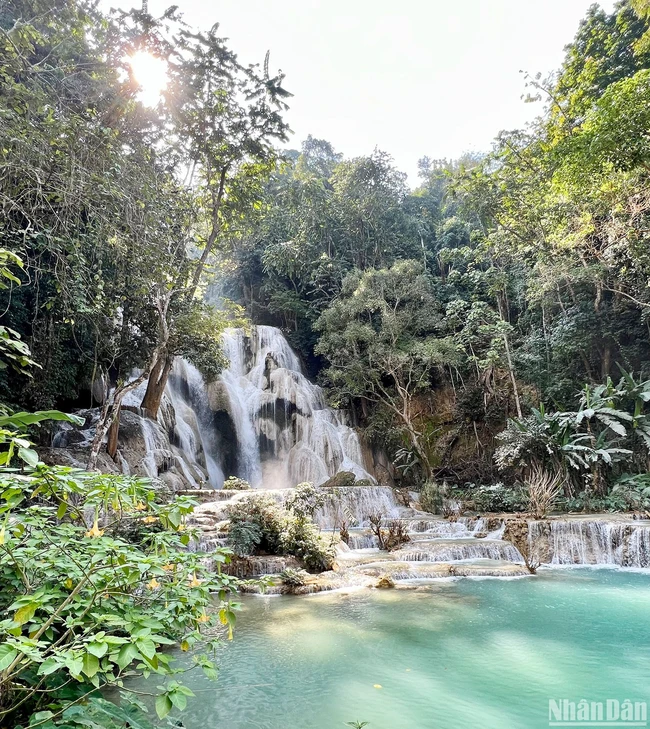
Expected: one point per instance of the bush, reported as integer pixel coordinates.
(258, 525)
(232, 483)
(244, 537)
(305, 501)
(293, 577)
(81, 606)
(391, 535)
(495, 497)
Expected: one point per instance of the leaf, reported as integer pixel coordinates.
(29, 455)
(163, 706)
(90, 665)
(178, 699)
(127, 654)
(48, 666)
(25, 613)
(98, 649)
(146, 646)
(612, 424)
(7, 655)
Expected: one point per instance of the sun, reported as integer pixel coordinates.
(151, 73)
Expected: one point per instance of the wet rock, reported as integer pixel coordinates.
(385, 582)
(343, 479)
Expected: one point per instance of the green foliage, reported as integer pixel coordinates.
(305, 501)
(233, 483)
(259, 525)
(293, 577)
(609, 431)
(382, 337)
(495, 497)
(82, 607)
(96, 199)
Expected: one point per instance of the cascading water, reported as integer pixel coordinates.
(285, 432)
(262, 421)
(591, 541)
(193, 427)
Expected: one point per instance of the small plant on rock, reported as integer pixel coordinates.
(543, 489)
(293, 577)
(391, 535)
(232, 483)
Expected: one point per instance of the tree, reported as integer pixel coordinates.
(224, 119)
(381, 339)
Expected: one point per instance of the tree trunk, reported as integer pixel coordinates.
(113, 433)
(110, 410)
(156, 384)
(513, 379)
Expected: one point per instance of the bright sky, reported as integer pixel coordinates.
(415, 77)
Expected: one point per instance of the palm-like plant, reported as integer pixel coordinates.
(581, 444)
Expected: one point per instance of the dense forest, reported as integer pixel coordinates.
(496, 316)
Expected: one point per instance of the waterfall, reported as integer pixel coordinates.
(458, 549)
(285, 432)
(354, 504)
(591, 541)
(262, 420)
(186, 390)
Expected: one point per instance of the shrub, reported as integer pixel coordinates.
(81, 606)
(305, 501)
(303, 539)
(495, 497)
(232, 483)
(543, 488)
(258, 525)
(390, 536)
(244, 537)
(293, 577)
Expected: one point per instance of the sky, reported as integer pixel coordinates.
(412, 77)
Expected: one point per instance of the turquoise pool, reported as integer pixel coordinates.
(452, 655)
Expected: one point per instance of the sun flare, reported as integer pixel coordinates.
(151, 73)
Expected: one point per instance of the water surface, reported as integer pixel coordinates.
(452, 655)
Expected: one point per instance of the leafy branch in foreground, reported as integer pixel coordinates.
(96, 585)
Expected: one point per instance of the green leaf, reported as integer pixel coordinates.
(178, 699)
(98, 649)
(29, 455)
(25, 613)
(90, 665)
(48, 666)
(127, 654)
(7, 655)
(163, 706)
(146, 646)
